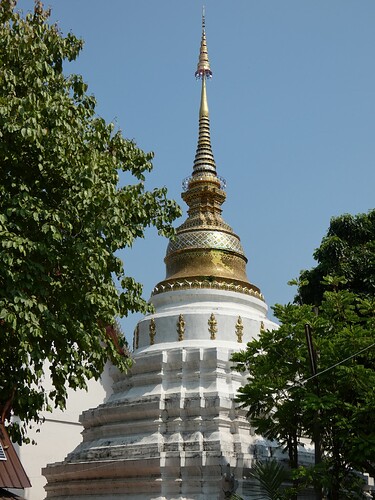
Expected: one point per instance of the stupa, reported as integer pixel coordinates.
(171, 429)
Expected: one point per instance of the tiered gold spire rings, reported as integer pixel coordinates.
(204, 158)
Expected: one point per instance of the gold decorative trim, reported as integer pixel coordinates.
(181, 327)
(201, 220)
(239, 329)
(206, 239)
(152, 330)
(185, 284)
(204, 177)
(212, 326)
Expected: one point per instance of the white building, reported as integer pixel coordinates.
(60, 432)
(171, 428)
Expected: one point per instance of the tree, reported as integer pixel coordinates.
(347, 250)
(276, 363)
(284, 402)
(347, 255)
(63, 217)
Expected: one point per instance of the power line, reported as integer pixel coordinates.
(337, 364)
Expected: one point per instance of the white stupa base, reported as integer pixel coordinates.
(171, 430)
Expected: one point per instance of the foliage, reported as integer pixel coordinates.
(271, 477)
(285, 403)
(63, 217)
(276, 363)
(351, 483)
(347, 250)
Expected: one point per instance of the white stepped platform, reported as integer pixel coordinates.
(170, 430)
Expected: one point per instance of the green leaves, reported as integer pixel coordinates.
(62, 218)
(347, 251)
(271, 475)
(284, 402)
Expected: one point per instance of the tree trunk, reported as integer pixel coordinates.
(318, 454)
(294, 462)
(335, 489)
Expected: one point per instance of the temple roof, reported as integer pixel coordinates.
(12, 474)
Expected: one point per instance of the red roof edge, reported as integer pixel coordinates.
(12, 473)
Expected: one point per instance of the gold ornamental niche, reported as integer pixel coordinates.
(181, 327)
(152, 331)
(136, 338)
(212, 326)
(239, 329)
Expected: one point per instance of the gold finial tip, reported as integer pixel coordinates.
(203, 68)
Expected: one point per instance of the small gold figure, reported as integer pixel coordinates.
(152, 329)
(137, 337)
(239, 329)
(262, 326)
(212, 326)
(181, 327)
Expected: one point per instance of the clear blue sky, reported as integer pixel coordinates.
(292, 107)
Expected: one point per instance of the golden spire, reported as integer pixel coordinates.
(204, 158)
(206, 252)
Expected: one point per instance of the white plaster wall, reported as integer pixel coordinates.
(196, 307)
(60, 433)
